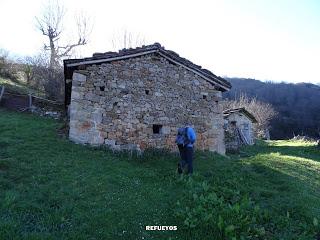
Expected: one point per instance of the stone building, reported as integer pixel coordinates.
(239, 128)
(137, 98)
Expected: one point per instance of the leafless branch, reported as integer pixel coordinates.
(50, 24)
(127, 39)
(263, 112)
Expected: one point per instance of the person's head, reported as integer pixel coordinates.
(187, 122)
(181, 131)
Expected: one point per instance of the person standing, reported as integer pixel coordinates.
(180, 141)
(185, 140)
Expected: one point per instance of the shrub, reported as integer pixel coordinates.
(7, 68)
(204, 208)
(224, 212)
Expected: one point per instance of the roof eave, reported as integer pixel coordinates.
(228, 112)
(215, 81)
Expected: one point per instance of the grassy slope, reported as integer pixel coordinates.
(53, 189)
(18, 86)
(14, 86)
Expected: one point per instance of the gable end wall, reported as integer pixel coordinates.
(110, 105)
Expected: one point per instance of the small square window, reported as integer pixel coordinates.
(157, 129)
(204, 96)
(102, 88)
(147, 91)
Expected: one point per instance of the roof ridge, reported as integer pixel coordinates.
(240, 109)
(155, 47)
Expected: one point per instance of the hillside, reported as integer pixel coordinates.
(53, 189)
(19, 86)
(15, 86)
(298, 105)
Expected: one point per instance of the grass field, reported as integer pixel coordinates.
(51, 188)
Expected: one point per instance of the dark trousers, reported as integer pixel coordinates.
(186, 154)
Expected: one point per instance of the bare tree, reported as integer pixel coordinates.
(127, 39)
(50, 23)
(7, 68)
(36, 70)
(28, 70)
(263, 112)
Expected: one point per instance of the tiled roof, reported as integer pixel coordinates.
(154, 48)
(226, 113)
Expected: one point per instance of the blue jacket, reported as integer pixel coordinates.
(191, 136)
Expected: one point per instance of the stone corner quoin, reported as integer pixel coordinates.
(139, 103)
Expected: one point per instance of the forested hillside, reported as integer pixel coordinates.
(298, 105)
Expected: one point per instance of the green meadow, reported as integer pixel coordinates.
(51, 188)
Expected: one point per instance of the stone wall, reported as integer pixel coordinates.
(244, 124)
(233, 122)
(232, 138)
(123, 102)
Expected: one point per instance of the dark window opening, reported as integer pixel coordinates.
(102, 88)
(147, 91)
(115, 104)
(125, 91)
(204, 96)
(157, 129)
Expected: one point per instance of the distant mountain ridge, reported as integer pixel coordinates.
(298, 105)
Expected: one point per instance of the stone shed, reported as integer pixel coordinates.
(137, 98)
(239, 128)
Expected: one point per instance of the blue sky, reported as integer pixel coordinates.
(275, 40)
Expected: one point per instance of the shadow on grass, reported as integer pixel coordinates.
(292, 203)
(308, 151)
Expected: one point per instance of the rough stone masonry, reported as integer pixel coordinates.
(139, 102)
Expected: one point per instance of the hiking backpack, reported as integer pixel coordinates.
(182, 137)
